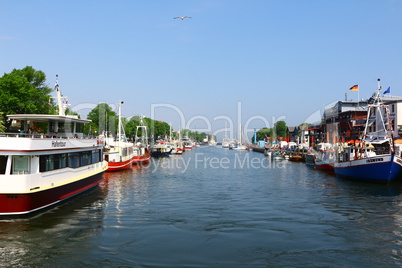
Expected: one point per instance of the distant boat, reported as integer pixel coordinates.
(225, 144)
(325, 157)
(142, 153)
(40, 169)
(276, 155)
(226, 140)
(311, 158)
(296, 158)
(188, 144)
(374, 158)
(161, 149)
(241, 144)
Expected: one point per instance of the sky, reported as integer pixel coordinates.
(234, 64)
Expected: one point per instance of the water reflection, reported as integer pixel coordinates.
(27, 240)
(157, 215)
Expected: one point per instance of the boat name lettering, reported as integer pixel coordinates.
(372, 160)
(58, 144)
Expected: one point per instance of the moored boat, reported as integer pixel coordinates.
(40, 169)
(142, 154)
(295, 157)
(119, 152)
(276, 155)
(311, 158)
(161, 149)
(374, 159)
(325, 159)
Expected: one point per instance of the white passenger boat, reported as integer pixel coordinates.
(40, 169)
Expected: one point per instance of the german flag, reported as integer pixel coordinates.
(354, 88)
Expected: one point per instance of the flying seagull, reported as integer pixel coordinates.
(182, 18)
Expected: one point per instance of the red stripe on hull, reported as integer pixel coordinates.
(141, 159)
(116, 166)
(13, 204)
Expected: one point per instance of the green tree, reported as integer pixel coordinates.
(103, 119)
(159, 129)
(280, 128)
(2, 127)
(24, 92)
(262, 133)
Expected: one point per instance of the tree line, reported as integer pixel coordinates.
(24, 91)
(279, 130)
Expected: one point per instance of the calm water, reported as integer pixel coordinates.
(214, 207)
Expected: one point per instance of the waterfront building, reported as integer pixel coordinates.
(344, 121)
(395, 108)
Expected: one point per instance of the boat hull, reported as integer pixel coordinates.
(378, 169)
(323, 165)
(117, 166)
(142, 159)
(160, 154)
(296, 158)
(23, 203)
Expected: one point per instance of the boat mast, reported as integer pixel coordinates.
(119, 129)
(170, 132)
(59, 97)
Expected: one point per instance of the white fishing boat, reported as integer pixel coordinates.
(119, 152)
(39, 169)
(142, 153)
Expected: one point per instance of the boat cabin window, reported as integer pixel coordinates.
(65, 127)
(52, 127)
(74, 160)
(21, 165)
(86, 158)
(3, 164)
(124, 152)
(79, 127)
(52, 162)
(95, 156)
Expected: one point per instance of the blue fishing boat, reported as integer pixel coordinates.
(373, 159)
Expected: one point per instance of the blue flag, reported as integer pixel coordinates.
(388, 90)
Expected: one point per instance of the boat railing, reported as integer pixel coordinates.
(41, 136)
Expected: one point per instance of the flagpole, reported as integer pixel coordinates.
(358, 98)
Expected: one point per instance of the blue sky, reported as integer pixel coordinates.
(258, 60)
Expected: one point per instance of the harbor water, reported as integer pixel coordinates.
(218, 208)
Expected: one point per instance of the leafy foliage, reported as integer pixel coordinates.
(24, 92)
(103, 119)
(280, 128)
(263, 133)
(193, 135)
